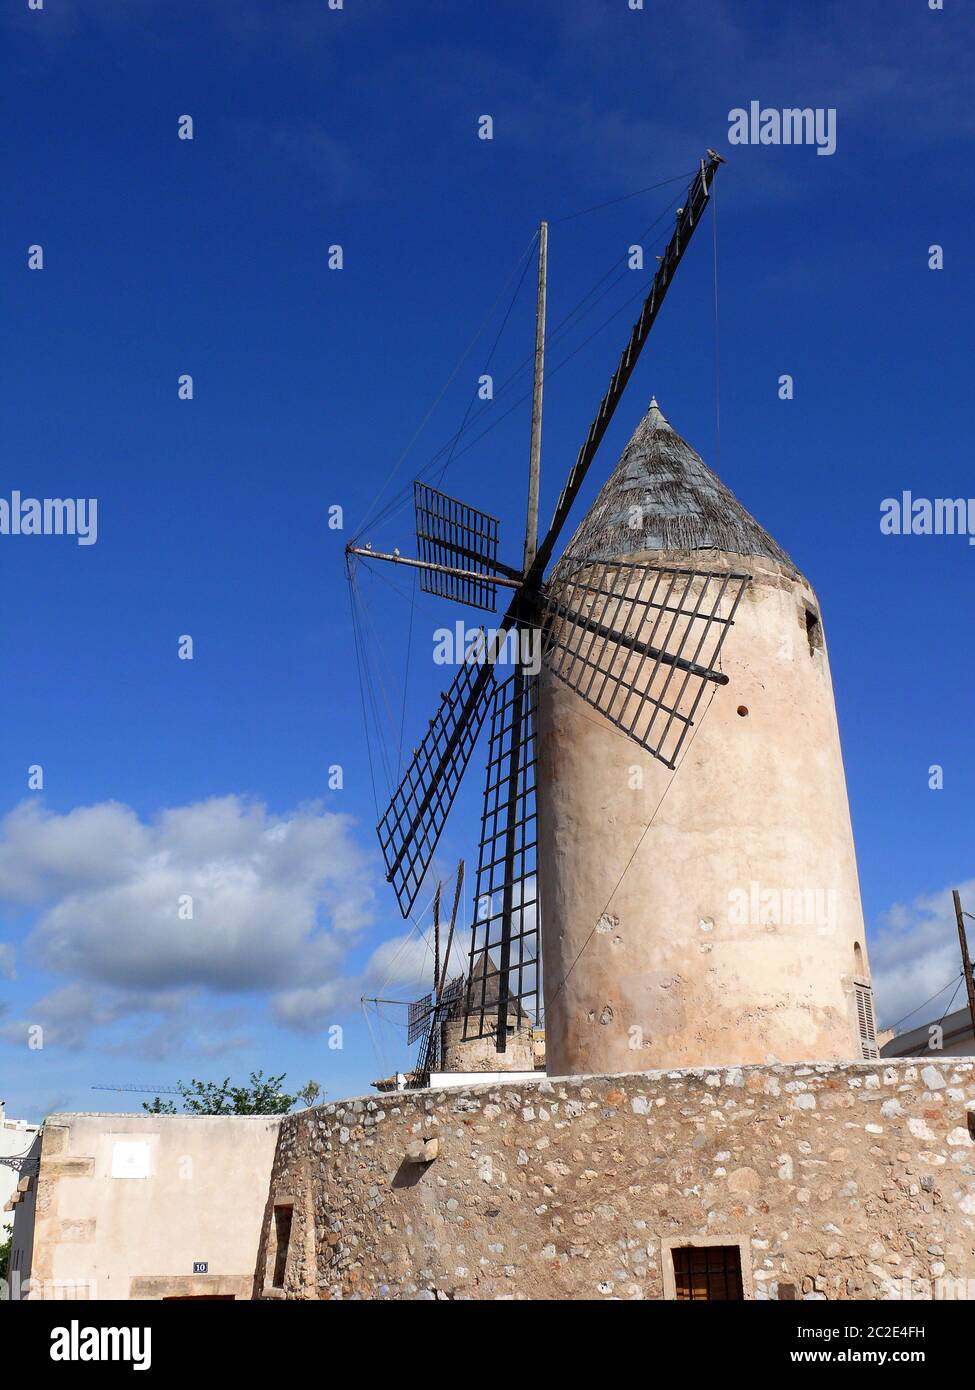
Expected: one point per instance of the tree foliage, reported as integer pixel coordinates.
(263, 1096)
(310, 1093)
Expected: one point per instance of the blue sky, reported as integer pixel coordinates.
(162, 256)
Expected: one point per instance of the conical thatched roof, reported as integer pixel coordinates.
(662, 496)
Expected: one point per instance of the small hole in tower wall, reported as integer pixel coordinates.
(814, 633)
(743, 710)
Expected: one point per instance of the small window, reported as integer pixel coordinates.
(707, 1273)
(282, 1239)
(865, 1022)
(814, 633)
(858, 961)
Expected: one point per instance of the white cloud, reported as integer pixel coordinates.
(68, 1015)
(275, 899)
(914, 954)
(402, 960)
(43, 856)
(312, 1008)
(407, 960)
(158, 1025)
(400, 967)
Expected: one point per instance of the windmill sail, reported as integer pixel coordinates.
(503, 977)
(413, 822)
(432, 1054)
(418, 1018)
(640, 643)
(457, 551)
(460, 538)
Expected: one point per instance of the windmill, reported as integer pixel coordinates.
(639, 646)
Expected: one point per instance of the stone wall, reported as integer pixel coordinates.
(836, 1180)
(481, 1054)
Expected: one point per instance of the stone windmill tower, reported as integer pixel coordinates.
(665, 838)
(713, 914)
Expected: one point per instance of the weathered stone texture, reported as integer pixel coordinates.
(480, 1054)
(841, 1180)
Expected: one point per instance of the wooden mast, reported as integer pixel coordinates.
(966, 960)
(535, 453)
(518, 699)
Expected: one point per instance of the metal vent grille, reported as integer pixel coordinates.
(449, 532)
(640, 643)
(865, 1021)
(709, 1273)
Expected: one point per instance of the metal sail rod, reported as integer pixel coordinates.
(535, 454)
(450, 930)
(429, 565)
(688, 217)
(498, 566)
(622, 639)
(436, 938)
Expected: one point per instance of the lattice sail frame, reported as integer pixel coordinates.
(504, 953)
(413, 822)
(417, 1016)
(431, 1056)
(450, 532)
(640, 643)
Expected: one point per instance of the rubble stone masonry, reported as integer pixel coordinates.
(835, 1180)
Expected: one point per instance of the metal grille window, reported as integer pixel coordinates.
(865, 1022)
(708, 1273)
